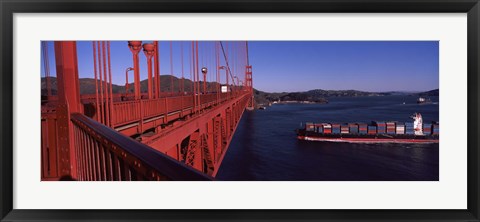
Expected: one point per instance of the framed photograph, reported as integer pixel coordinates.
(267, 110)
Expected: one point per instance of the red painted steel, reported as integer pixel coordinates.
(100, 105)
(182, 88)
(157, 70)
(105, 86)
(68, 102)
(135, 47)
(96, 79)
(197, 78)
(149, 50)
(110, 104)
(193, 129)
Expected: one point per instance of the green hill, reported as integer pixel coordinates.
(87, 85)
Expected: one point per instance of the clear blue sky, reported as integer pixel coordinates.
(280, 66)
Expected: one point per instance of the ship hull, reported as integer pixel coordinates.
(365, 138)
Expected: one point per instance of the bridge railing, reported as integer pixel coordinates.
(132, 111)
(153, 107)
(104, 154)
(126, 112)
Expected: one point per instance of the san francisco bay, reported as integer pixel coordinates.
(265, 147)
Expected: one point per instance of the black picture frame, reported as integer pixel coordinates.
(9, 7)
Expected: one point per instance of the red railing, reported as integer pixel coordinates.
(153, 107)
(126, 112)
(102, 154)
(130, 111)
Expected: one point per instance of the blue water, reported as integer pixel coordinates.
(265, 148)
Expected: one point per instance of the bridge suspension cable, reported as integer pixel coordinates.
(46, 66)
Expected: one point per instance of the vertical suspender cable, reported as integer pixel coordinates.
(171, 67)
(232, 64)
(110, 80)
(193, 82)
(226, 62)
(96, 80)
(181, 55)
(190, 61)
(46, 66)
(212, 61)
(157, 70)
(102, 114)
(107, 121)
(197, 76)
(216, 72)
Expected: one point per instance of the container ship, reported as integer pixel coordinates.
(376, 132)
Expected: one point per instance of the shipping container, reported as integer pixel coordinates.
(335, 128)
(400, 128)
(344, 129)
(381, 126)
(381, 129)
(362, 128)
(391, 128)
(353, 128)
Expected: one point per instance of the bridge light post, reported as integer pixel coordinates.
(149, 50)
(126, 79)
(204, 71)
(135, 47)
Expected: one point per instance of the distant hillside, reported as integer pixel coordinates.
(316, 95)
(321, 96)
(87, 85)
(342, 93)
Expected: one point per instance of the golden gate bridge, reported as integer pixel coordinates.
(181, 132)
